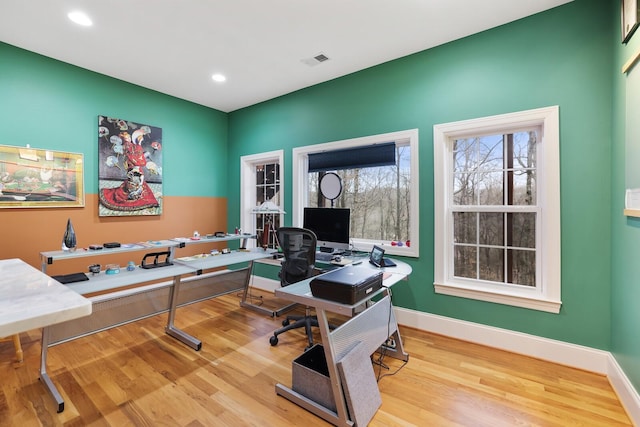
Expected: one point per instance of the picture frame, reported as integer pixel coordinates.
(130, 177)
(40, 178)
(629, 18)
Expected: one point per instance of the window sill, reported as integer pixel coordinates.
(550, 306)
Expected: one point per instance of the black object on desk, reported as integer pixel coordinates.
(346, 285)
(158, 261)
(71, 278)
(377, 258)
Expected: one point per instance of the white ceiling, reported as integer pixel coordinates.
(174, 46)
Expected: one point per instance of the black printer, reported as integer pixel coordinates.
(346, 285)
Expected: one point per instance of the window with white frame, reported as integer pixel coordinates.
(497, 209)
(383, 196)
(261, 202)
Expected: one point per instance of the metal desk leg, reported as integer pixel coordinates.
(179, 334)
(340, 417)
(394, 347)
(255, 307)
(332, 367)
(44, 377)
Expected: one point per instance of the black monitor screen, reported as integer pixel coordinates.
(331, 226)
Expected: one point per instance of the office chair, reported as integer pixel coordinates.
(299, 249)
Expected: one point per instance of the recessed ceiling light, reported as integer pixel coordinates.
(218, 78)
(80, 18)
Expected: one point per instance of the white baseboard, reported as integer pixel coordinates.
(624, 389)
(577, 356)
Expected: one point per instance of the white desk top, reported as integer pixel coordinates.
(29, 299)
(222, 260)
(301, 292)
(106, 282)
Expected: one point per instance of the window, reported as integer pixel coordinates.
(261, 201)
(497, 209)
(383, 199)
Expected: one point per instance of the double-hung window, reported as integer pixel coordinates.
(382, 194)
(497, 209)
(261, 202)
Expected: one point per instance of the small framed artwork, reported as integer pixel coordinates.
(629, 15)
(37, 178)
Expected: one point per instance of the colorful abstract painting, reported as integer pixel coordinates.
(130, 168)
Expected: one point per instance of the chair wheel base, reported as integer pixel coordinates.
(273, 340)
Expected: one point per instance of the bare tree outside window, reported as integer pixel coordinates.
(379, 198)
(268, 189)
(497, 215)
(494, 212)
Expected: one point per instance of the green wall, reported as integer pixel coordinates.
(560, 57)
(625, 277)
(51, 104)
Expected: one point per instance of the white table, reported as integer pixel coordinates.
(29, 299)
(373, 326)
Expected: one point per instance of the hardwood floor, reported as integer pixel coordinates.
(136, 375)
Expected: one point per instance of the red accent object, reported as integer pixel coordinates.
(265, 235)
(117, 199)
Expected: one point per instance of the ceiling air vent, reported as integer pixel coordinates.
(321, 57)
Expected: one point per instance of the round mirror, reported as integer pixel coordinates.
(331, 186)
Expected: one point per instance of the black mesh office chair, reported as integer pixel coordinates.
(299, 249)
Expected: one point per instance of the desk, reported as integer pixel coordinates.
(372, 326)
(32, 300)
(125, 306)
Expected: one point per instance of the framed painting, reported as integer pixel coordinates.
(629, 15)
(37, 178)
(129, 168)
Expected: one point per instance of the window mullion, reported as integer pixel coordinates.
(508, 159)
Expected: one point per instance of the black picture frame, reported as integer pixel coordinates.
(629, 18)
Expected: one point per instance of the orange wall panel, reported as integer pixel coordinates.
(27, 232)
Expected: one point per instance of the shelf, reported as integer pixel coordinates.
(178, 242)
(107, 282)
(49, 257)
(103, 282)
(632, 212)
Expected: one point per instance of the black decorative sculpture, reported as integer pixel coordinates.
(69, 239)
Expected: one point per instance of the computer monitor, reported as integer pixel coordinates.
(331, 226)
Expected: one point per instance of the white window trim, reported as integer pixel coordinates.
(301, 171)
(248, 188)
(546, 297)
